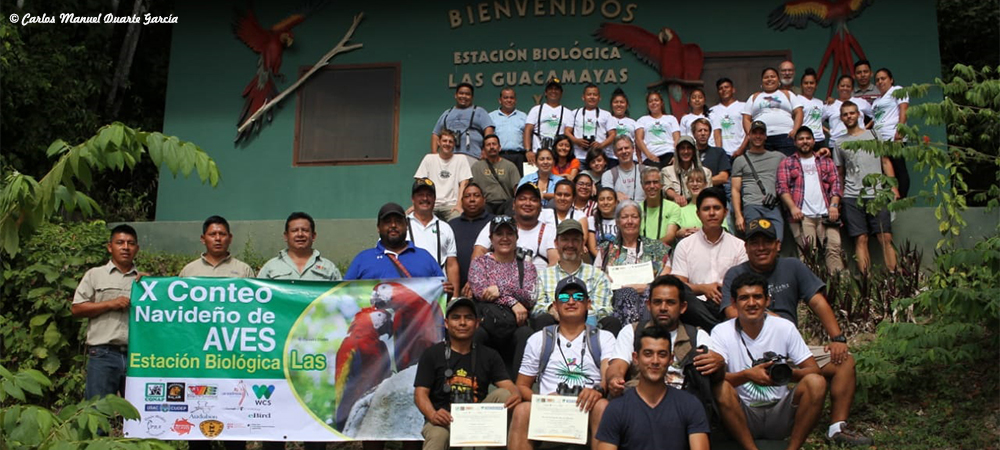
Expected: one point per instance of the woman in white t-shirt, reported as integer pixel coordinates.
(889, 113)
(602, 221)
(620, 121)
(779, 110)
(812, 108)
(697, 110)
(831, 115)
(657, 132)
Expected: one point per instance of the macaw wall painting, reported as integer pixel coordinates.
(826, 13)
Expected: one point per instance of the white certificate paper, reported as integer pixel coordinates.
(478, 425)
(641, 273)
(528, 169)
(556, 418)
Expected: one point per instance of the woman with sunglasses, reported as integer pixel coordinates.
(502, 285)
(632, 248)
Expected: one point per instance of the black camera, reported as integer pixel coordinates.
(546, 143)
(770, 201)
(589, 139)
(464, 395)
(565, 389)
(780, 372)
(524, 254)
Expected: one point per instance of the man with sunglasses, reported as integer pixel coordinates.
(566, 359)
(458, 371)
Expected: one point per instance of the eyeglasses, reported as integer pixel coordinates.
(577, 297)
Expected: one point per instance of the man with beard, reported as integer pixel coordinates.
(496, 176)
(654, 415)
(300, 261)
(458, 371)
(569, 244)
(535, 239)
(394, 257)
(666, 305)
(792, 282)
(786, 77)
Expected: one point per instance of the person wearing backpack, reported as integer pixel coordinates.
(696, 364)
(677, 417)
(566, 359)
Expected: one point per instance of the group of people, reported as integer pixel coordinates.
(525, 257)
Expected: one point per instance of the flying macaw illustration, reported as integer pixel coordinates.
(362, 360)
(417, 323)
(679, 64)
(835, 13)
(269, 43)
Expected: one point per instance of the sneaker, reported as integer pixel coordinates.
(847, 436)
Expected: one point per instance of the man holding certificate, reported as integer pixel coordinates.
(567, 360)
(457, 372)
(654, 415)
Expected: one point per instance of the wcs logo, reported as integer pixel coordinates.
(263, 393)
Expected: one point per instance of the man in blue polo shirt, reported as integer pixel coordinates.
(394, 256)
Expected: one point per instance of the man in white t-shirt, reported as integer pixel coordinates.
(666, 304)
(727, 118)
(431, 233)
(626, 178)
(535, 238)
(449, 174)
(565, 359)
(589, 129)
(809, 187)
(761, 406)
(546, 120)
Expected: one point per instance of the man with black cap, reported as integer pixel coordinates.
(546, 120)
(790, 282)
(535, 239)
(427, 231)
(458, 371)
(468, 122)
(754, 180)
(569, 244)
(566, 359)
(393, 256)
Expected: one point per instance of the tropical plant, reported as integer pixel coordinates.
(25, 203)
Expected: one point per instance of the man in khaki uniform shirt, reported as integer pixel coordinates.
(300, 261)
(103, 297)
(216, 261)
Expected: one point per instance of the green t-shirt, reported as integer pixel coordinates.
(660, 218)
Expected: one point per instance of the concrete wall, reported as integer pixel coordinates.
(209, 68)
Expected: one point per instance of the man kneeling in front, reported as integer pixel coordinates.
(566, 358)
(763, 354)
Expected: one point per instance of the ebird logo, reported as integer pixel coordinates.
(263, 393)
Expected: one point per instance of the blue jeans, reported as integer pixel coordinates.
(105, 371)
(751, 212)
(781, 143)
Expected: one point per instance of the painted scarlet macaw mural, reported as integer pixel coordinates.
(679, 64)
(269, 43)
(835, 13)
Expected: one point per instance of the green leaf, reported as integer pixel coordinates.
(52, 335)
(57, 147)
(40, 319)
(13, 390)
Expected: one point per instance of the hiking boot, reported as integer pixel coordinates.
(847, 436)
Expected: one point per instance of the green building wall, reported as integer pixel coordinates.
(209, 68)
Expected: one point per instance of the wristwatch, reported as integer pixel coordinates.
(599, 389)
(835, 205)
(842, 339)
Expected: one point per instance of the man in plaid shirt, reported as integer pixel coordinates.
(810, 188)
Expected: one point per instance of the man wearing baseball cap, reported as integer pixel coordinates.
(569, 244)
(754, 180)
(546, 120)
(393, 256)
(427, 231)
(458, 371)
(791, 282)
(535, 238)
(566, 359)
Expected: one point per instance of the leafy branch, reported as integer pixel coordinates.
(25, 202)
